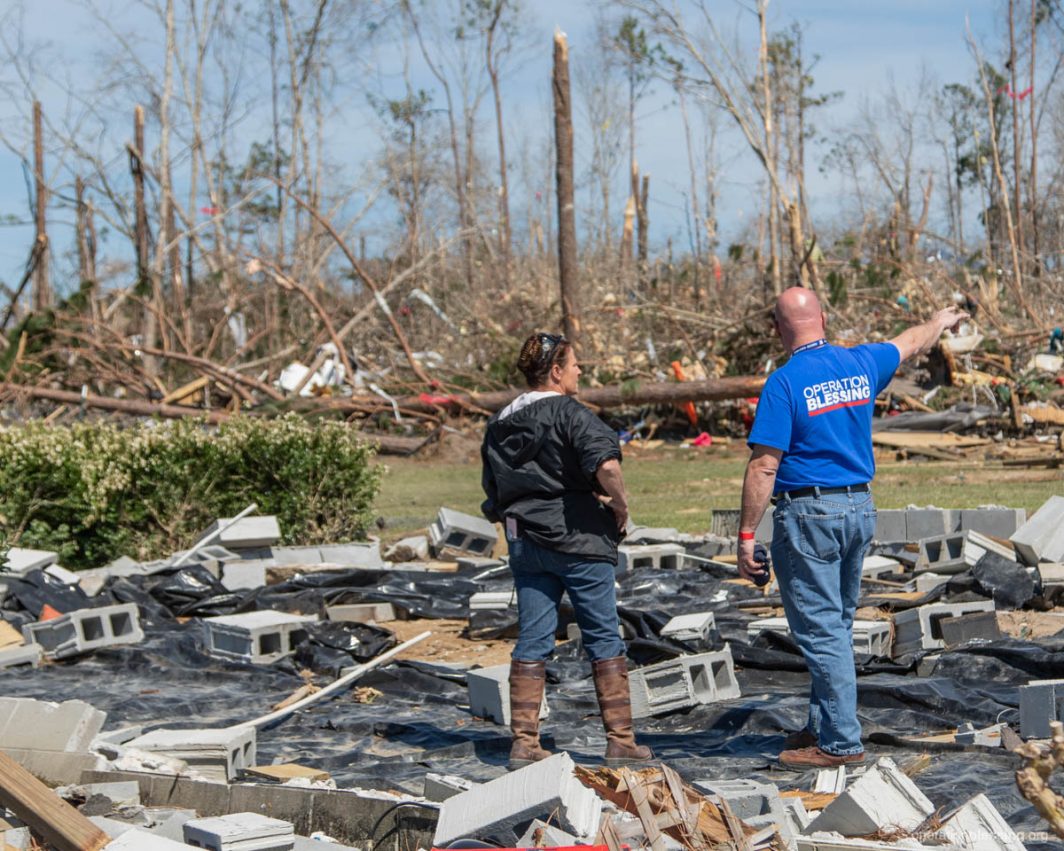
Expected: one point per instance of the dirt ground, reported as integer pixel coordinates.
(446, 643)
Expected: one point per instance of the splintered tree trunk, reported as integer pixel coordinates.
(1017, 165)
(86, 238)
(563, 135)
(1032, 178)
(140, 221)
(42, 287)
(643, 222)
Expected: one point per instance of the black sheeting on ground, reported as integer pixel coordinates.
(421, 721)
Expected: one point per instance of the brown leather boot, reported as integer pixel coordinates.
(615, 702)
(528, 680)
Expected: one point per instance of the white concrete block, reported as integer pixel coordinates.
(1041, 538)
(240, 832)
(489, 694)
(143, 840)
(876, 566)
(493, 601)
(977, 545)
(27, 724)
(217, 754)
(681, 682)
(67, 577)
(930, 581)
(244, 575)
(695, 627)
(252, 531)
(85, 630)
(831, 781)
(455, 532)
(547, 789)
(658, 556)
(22, 560)
(21, 654)
(357, 554)
(978, 825)
(869, 637)
(260, 637)
(919, 629)
(440, 787)
(883, 797)
(361, 612)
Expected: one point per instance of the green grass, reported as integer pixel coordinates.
(677, 488)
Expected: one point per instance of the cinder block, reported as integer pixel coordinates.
(696, 627)
(85, 630)
(757, 805)
(796, 814)
(1041, 701)
(455, 532)
(22, 560)
(992, 520)
(492, 601)
(977, 824)
(929, 522)
(890, 525)
(921, 628)
(683, 682)
(362, 554)
(977, 545)
(943, 554)
(831, 781)
(869, 637)
(988, 737)
(1041, 538)
(240, 832)
(440, 787)
(361, 612)
(876, 566)
(252, 531)
(1051, 573)
(882, 798)
(241, 575)
(217, 754)
(929, 581)
(964, 628)
(489, 694)
(546, 789)
(27, 724)
(67, 577)
(663, 556)
(24, 654)
(259, 637)
(143, 840)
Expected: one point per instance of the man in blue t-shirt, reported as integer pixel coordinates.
(811, 452)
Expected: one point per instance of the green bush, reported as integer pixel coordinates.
(94, 492)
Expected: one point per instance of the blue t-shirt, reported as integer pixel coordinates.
(817, 408)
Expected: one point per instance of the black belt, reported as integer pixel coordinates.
(798, 493)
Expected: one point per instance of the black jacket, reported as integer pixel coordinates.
(539, 467)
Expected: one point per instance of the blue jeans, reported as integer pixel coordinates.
(818, 546)
(540, 577)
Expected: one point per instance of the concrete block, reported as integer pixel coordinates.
(123, 793)
(357, 554)
(22, 560)
(1041, 538)
(927, 522)
(988, 737)
(119, 736)
(252, 531)
(21, 654)
(143, 840)
(67, 577)
(244, 575)
(85, 630)
(797, 816)
(546, 789)
(869, 637)
(1041, 701)
(881, 798)
(921, 628)
(259, 637)
(994, 520)
(489, 694)
(1051, 573)
(964, 628)
(876, 566)
(455, 532)
(493, 601)
(240, 832)
(977, 545)
(830, 781)
(440, 787)
(658, 556)
(978, 825)
(943, 554)
(891, 526)
(361, 613)
(683, 682)
(216, 754)
(29, 724)
(696, 627)
(296, 556)
(757, 805)
(930, 581)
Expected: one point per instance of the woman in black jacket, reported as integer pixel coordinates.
(552, 476)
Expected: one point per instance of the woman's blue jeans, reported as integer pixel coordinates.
(818, 547)
(540, 577)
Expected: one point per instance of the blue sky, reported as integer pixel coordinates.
(862, 45)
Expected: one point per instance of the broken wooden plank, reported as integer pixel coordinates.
(640, 799)
(735, 827)
(46, 813)
(185, 390)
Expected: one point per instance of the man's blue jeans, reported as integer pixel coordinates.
(818, 546)
(540, 577)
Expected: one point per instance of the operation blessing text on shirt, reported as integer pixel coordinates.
(837, 393)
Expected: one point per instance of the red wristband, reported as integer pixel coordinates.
(746, 536)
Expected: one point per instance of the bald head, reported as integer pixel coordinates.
(799, 317)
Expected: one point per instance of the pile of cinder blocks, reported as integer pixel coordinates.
(920, 629)
(216, 754)
(499, 810)
(240, 832)
(683, 682)
(456, 533)
(86, 630)
(258, 637)
(489, 694)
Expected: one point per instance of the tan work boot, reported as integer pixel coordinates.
(815, 758)
(528, 680)
(615, 702)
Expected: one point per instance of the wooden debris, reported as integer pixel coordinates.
(46, 813)
(1039, 763)
(288, 771)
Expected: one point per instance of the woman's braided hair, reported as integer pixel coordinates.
(538, 354)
